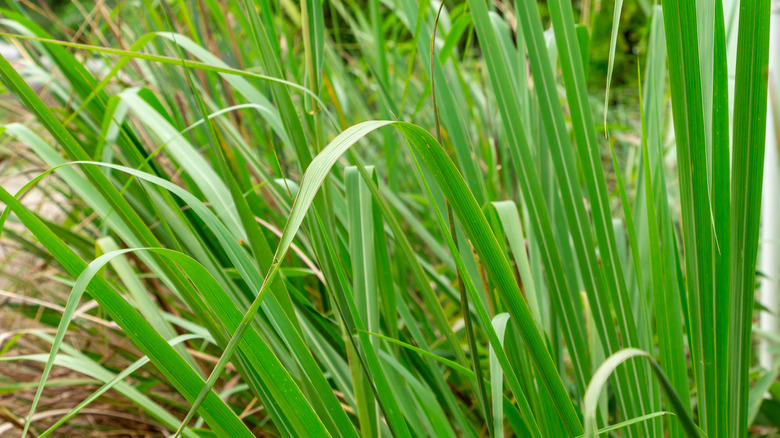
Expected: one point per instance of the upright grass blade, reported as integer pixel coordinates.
(721, 209)
(314, 44)
(386, 286)
(364, 285)
(665, 299)
(750, 100)
(618, 8)
(510, 220)
(687, 109)
(654, 98)
(500, 323)
(668, 310)
(706, 33)
(630, 228)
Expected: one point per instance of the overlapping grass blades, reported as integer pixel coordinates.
(471, 287)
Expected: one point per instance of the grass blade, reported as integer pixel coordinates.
(721, 208)
(687, 109)
(750, 101)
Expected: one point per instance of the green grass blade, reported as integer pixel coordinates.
(618, 8)
(750, 101)
(454, 365)
(628, 217)
(364, 284)
(314, 44)
(666, 301)
(721, 208)
(687, 109)
(510, 220)
(500, 323)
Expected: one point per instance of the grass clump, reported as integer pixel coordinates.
(373, 218)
